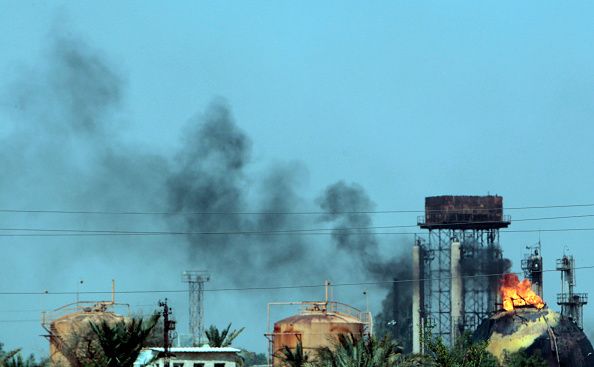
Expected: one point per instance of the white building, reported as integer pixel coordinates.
(204, 356)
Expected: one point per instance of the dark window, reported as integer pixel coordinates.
(198, 364)
(178, 365)
(219, 365)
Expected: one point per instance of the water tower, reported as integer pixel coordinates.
(453, 291)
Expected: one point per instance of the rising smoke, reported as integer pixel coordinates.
(348, 208)
(65, 150)
(482, 266)
(68, 136)
(64, 147)
(209, 178)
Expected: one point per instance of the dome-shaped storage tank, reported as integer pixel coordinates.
(70, 333)
(557, 339)
(317, 325)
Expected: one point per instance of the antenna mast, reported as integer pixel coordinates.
(196, 280)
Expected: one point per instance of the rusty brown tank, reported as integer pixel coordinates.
(70, 333)
(318, 325)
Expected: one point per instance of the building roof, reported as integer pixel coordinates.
(147, 354)
(202, 349)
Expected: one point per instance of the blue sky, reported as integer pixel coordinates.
(408, 99)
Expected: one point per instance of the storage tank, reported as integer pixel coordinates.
(542, 332)
(317, 325)
(69, 330)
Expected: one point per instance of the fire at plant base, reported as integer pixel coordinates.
(517, 294)
(525, 323)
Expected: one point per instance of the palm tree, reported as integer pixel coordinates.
(290, 358)
(221, 339)
(122, 342)
(19, 361)
(350, 351)
(465, 353)
(14, 358)
(5, 356)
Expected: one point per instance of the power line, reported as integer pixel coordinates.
(34, 235)
(14, 321)
(56, 232)
(239, 232)
(262, 288)
(116, 231)
(39, 310)
(20, 311)
(554, 218)
(172, 213)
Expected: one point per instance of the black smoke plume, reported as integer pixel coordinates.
(65, 149)
(348, 208)
(210, 179)
(482, 266)
(395, 318)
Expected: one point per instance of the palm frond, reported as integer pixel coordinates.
(223, 338)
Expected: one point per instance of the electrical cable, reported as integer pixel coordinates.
(286, 231)
(14, 321)
(133, 212)
(303, 286)
(122, 233)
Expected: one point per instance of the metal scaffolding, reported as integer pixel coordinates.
(572, 303)
(532, 267)
(464, 228)
(196, 280)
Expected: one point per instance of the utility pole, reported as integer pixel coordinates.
(196, 280)
(168, 327)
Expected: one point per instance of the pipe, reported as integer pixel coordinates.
(416, 299)
(113, 291)
(456, 289)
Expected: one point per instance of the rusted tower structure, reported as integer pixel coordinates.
(453, 291)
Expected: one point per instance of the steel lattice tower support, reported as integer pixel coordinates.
(572, 303)
(464, 228)
(482, 258)
(196, 280)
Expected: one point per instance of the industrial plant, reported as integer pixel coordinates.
(296, 183)
(461, 284)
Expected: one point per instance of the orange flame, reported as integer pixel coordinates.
(515, 293)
